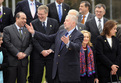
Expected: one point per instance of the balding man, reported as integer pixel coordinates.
(66, 59)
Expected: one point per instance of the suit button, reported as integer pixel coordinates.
(57, 63)
(58, 55)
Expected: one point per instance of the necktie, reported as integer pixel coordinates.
(62, 43)
(32, 10)
(83, 19)
(20, 32)
(0, 15)
(43, 24)
(59, 12)
(100, 26)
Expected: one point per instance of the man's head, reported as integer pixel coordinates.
(100, 10)
(73, 12)
(84, 7)
(42, 12)
(70, 22)
(1, 1)
(21, 19)
(59, 1)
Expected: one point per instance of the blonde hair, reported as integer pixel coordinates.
(85, 31)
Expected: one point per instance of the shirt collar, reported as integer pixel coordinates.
(97, 19)
(18, 26)
(57, 4)
(31, 2)
(86, 15)
(69, 32)
(1, 7)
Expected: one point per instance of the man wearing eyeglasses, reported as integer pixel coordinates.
(95, 25)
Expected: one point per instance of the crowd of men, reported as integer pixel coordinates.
(53, 20)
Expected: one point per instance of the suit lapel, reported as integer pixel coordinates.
(95, 25)
(36, 9)
(24, 33)
(16, 31)
(106, 42)
(56, 12)
(4, 12)
(48, 28)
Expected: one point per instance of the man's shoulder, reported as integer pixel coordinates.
(51, 4)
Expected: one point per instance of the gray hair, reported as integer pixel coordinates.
(100, 5)
(74, 11)
(73, 18)
(43, 7)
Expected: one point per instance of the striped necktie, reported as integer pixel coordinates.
(0, 15)
(100, 26)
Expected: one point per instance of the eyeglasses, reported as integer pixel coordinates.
(99, 12)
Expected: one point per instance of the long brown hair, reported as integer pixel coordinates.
(108, 26)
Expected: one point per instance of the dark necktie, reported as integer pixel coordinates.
(62, 43)
(59, 12)
(83, 19)
(100, 26)
(43, 24)
(21, 34)
(0, 15)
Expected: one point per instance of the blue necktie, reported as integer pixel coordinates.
(59, 12)
(62, 43)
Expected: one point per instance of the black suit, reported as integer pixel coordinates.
(80, 27)
(106, 57)
(53, 13)
(14, 44)
(24, 7)
(39, 61)
(91, 26)
(4, 65)
(7, 18)
(90, 16)
(66, 61)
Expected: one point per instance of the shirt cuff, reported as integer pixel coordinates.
(67, 45)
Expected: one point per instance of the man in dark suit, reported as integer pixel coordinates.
(6, 16)
(58, 10)
(67, 47)
(29, 7)
(96, 24)
(85, 15)
(79, 26)
(42, 54)
(17, 41)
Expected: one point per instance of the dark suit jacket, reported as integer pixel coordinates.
(79, 25)
(53, 13)
(24, 7)
(7, 18)
(91, 26)
(90, 16)
(15, 44)
(106, 56)
(39, 46)
(4, 65)
(66, 60)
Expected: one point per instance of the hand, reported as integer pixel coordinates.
(45, 53)
(65, 39)
(113, 72)
(19, 55)
(114, 68)
(50, 51)
(96, 80)
(30, 28)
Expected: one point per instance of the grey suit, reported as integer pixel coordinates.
(80, 26)
(90, 16)
(91, 26)
(14, 45)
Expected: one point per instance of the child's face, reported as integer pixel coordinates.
(1, 41)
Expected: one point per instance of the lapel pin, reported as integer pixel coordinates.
(79, 27)
(24, 32)
(70, 36)
(64, 9)
(37, 5)
(105, 40)
(50, 25)
(4, 13)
